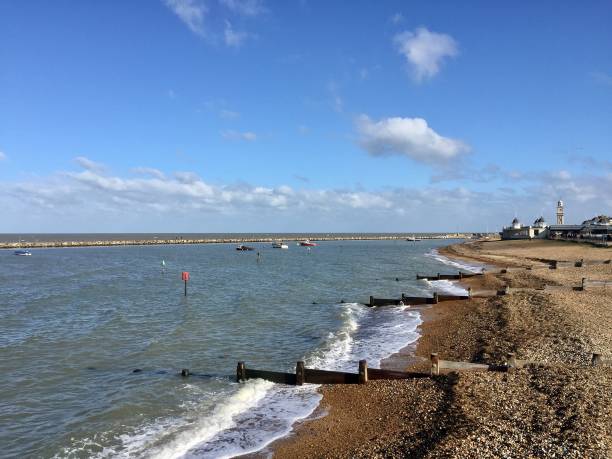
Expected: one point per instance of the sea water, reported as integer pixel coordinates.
(77, 322)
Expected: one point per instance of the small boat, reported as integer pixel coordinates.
(23, 253)
(307, 243)
(279, 245)
(243, 248)
(412, 239)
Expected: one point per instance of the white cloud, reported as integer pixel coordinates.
(244, 7)
(397, 18)
(2, 156)
(233, 38)
(88, 200)
(236, 135)
(149, 171)
(411, 137)
(88, 164)
(229, 114)
(191, 12)
(425, 51)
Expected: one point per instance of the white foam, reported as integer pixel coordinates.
(446, 286)
(466, 266)
(222, 418)
(259, 412)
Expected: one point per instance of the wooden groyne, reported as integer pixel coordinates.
(241, 240)
(438, 276)
(415, 300)
(305, 375)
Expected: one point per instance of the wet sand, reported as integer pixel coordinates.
(558, 409)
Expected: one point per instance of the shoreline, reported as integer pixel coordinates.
(181, 241)
(475, 413)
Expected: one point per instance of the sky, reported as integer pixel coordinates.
(302, 116)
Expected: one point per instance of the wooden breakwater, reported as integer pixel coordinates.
(438, 276)
(237, 240)
(415, 300)
(305, 375)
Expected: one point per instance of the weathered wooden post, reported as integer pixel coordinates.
(438, 276)
(469, 290)
(584, 284)
(185, 372)
(553, 264)
(435, 297)
(596, 360)
(300, 375)
(460, 275)
(511, 359)
(371, 301)
(240, 372)
(363, 372)
(579, 263)
(435, 364)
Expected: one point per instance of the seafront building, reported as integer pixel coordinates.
(598, 229)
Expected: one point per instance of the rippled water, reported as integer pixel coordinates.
(76, 322)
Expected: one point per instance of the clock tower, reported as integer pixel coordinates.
(560, 213)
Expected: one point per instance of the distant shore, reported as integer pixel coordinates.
(226, 240)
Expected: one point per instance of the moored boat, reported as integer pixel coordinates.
(23, 253)
(279, 245)
(243, 248)
(307, 243)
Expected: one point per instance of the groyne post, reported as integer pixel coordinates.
(435, 298)
(240, 372)
(511, 359)
(438, 276)
(371, 301)
(596, 360)
(363, 372)
(185, 372)
(469, 290)
(435, 364)
(300, 373)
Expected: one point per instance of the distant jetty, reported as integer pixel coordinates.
(240, 240)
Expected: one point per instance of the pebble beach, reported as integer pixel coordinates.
(559, 407)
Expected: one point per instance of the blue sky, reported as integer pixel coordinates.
(253, 115)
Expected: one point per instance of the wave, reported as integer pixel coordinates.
(246, 417)
(464, 265)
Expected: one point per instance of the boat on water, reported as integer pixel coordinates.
(23, 253)
(307, 243)
(243, 248)
(279, 245)
(412, 239)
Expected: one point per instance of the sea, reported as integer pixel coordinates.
(93, 340)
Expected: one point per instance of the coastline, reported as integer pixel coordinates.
(238, 240)
(460, 415)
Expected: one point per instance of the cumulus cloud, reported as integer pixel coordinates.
(229, 114)
(397, 18)
(425, 51)
(236, 135)
(89, 197)
(191, 12)
(244, 7)
(149, 171)
(411, 137)
(233, 38)
(88, 164)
